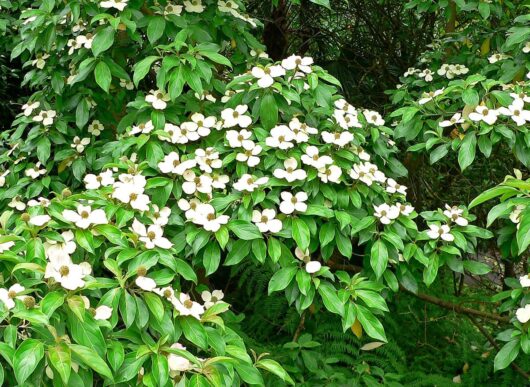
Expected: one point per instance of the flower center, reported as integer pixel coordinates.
(250, 181)
(133, 196)
(281, 138)
(84, 214)
(159, 96)
(167, 293)
(151, 235)
(383, 213)
(264, 219)
(64, 271)
(210, 216)
(293, 200)
(188, 304)
(176, 163)
(11, 294)
(235, 114)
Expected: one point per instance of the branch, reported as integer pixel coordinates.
(455, 307)
(496, 346)
(300, 327)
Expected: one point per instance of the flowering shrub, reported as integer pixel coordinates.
(160, 144)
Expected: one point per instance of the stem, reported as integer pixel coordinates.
(300, 327)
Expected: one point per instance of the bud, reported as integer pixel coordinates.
(66, 193)
(29, 301)
(25, 217)
(131, 170)
(141, 271)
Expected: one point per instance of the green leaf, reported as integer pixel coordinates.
(142, 68)
(301, 233)
(155, 305)
(27, 358)
(194, 331)
(82, 113)
(103, 40)
(211, 257)
(103, 76)
(61, 359)
(244, 230)
(431, 271)
(268, 111)
(523, 233)
(330, 298)
(370, 323)
(470, 97)
(115, 355)
(155, 28)
(379, 258)
(506, 355)
(466, 153)
(91, 359)
(477, 268)
(492, 193)
(217, 58)
(324, 3)
(275, 368)
(282, 278)
(43, 149)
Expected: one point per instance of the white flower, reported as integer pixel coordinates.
(126, 84)
(290, 173)
(178, 363)
(249, 183)
(526, 48)
(145, 283)
(410, 71)
(40, 61)
(516, 112)
(497, 57)
(193, 6)
(60, 251)
(17, 203)
(343, 106)
(266, 220)
(68, 274)
(204, 124)
(236, 117)
(130, 190)
(291, 203)
(301, 130)
(7, 296)
(523, 314)
(455, 215)
(5, 246)
(85, 217)
(95, 128)
(404, 209)
(207, 159)
(39, 220)
(158, 99)
(250, 154)
(330, 173)
(455, 119)
(266, 75)
(295, 62)
(210, 299)
(483, 113)
(524, 281)
(104, 179)
(515, 215)
(79, 144)
(160, 216)
(394, 187)
(312, 158)
(219, 181)
(145, 127)
(45, 117)
(281, 137)
(443, 232)
(337, 138)
(152, 236)
(190, 207)
(118, 4)
(172, 164)
(238, 139)
(310, 266)
(35, 172)
(430, 96)
(520, 95)
(346, 120)
(102, 312)
(205, 216)
(386, 213)
(187, 307)
(194, 183)
(29, 107)
(373, 117)
(426, 74)
(84, 41)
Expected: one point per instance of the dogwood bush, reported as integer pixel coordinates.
(161, 143)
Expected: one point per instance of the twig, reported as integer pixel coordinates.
(300, 327)
(491, 340)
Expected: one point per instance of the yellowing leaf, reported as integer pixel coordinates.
(357, 329)
(485, 47)
(371, 346)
